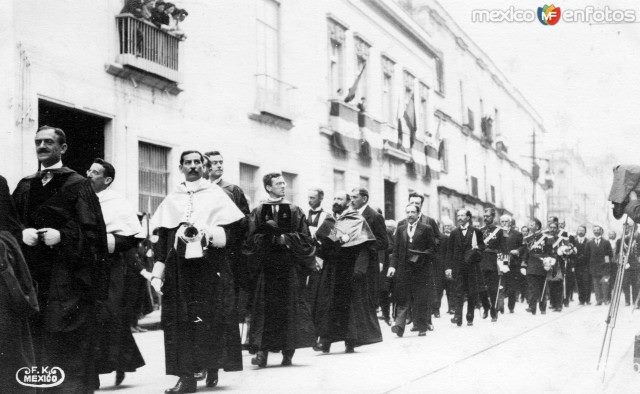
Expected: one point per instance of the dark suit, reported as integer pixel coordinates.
(376, 254)
(600, 270)
(441, 282)
(536, 274)
(581, 270)
(413, 259)
(464, 262)
(513, 278)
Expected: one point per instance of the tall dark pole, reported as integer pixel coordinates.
(534, 173)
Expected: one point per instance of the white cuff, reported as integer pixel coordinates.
(111, 243)
(158, 269)
(217, 236)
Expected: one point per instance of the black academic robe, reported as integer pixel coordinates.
(377, 250)
(462, 260)
(117, 350)
(280, 314)
(343, 309)
(199, 318)
(70, 276)
(16, 345)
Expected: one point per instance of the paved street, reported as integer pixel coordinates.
(556, 352)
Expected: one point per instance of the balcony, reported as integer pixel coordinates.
(146, 54)
(273, 102)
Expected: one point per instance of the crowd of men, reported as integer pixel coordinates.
(268, 280)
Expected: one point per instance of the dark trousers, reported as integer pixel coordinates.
(570, 281)
(442, 286)
(555, 294)
(601, 287)
(513, 286)
(420, 313)
(631, 285)
(583, 279)
(491, 279)
(536, 285)
(463, 289)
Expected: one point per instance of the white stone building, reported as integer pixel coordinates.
(256, 79)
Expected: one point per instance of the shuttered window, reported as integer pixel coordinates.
(153, 176)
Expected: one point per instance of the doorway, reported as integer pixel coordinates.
(389, 199)
(85, 133)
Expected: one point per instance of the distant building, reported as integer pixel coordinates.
(264, 82)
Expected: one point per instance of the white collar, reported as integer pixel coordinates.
(598, 239)
(217, 181)
(194, 185)
(318, 210)
(53, 167)
(412, 224)
(362, 208)
(275, 199)
(465, 227)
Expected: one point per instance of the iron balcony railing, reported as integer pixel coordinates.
(142, 45)
(274, 96)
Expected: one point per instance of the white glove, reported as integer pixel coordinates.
(504, 268)
(523, 271)
(390, 272)
(30, 236)
(217, 236)
(51, 236)
(146, 274)
(111, 243)
(447, 273)
(344, 238)
(156, 283)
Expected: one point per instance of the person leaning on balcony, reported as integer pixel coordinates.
(158, 15)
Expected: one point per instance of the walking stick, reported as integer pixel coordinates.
(612, 316)
(495, 304)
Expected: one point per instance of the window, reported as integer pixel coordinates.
(364, 182)
(339, 183)
(443, 155)
(470, 119)
(268, 51)
(153, 176)
(474, 186)
(493, 194)
(424, 109)
(389, 199)
(292, 187)
(248, 182)
(440, 75)
(387, 90)
(336, 58)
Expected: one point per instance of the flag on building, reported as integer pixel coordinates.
(351, 94)
(410, 119)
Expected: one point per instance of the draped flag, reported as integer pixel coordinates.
(410, 119)
(351, 94)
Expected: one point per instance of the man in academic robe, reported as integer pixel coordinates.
(581, 270)
(539, 247)
(243, 278)
(599, 256)
(17, 299)
(360, 202)
(494, 240)
(414, 252)
(280, 248)
(117, 350)
(192, 271)
(65, 246)
(343, 310)
(513, 249)
(462, 263)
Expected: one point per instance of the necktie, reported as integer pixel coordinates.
(46, 177)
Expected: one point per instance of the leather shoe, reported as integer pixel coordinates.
(485, 313)
(326, 348)
(429, 327)
(469, 323)
(200, 375)
(422, 333)
(543, 312)
(186, 384)
(414, 328)
(494, 319)
(456, 321)
(119, 377)
(212, 378)
(397, 330)
(348, 348)
(260, 359)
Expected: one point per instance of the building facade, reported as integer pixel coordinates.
(264, 82)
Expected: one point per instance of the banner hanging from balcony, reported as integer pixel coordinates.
(410, 119)
(354, 88)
